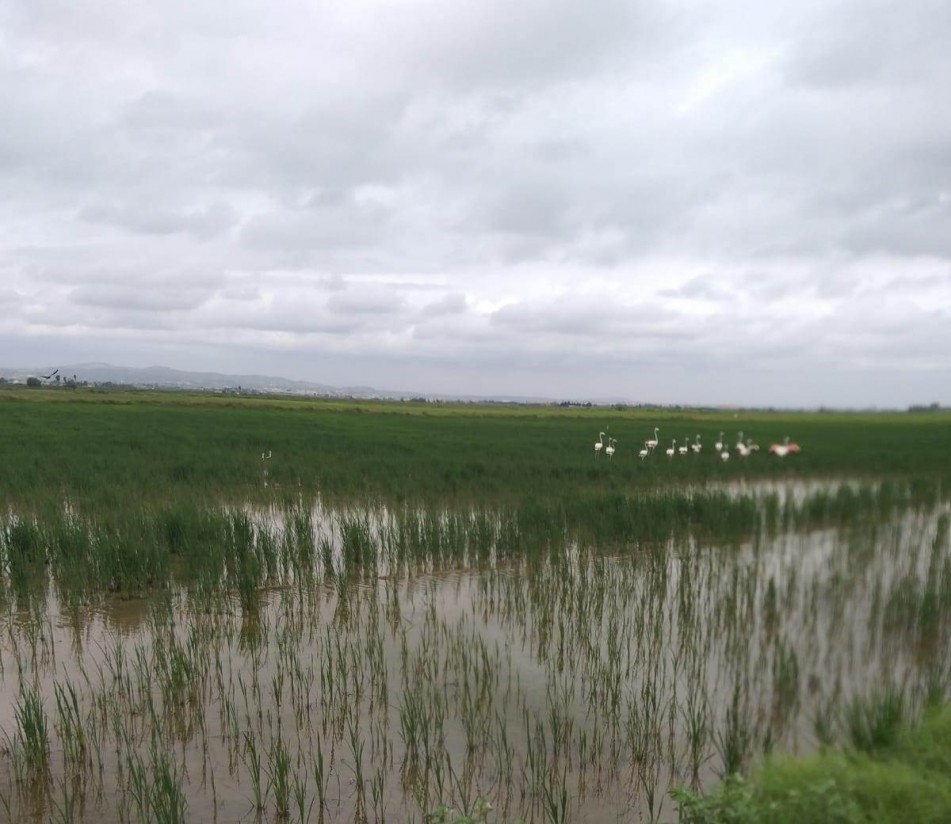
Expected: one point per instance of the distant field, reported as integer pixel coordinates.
(97, 444)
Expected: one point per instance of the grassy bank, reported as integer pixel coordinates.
(902, 774)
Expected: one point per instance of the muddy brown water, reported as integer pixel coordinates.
(581, 689)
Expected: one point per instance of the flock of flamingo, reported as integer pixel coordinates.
(744, 448)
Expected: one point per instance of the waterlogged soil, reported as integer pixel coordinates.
(578, 688)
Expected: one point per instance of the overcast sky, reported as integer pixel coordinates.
(659, 200)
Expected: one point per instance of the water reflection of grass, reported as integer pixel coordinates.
(210, 548)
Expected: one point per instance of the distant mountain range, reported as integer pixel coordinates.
(166, 378)
(162, 377)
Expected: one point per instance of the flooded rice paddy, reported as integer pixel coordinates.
(348, 663)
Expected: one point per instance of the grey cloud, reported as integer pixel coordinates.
(554, 150)
(885, 321)
(331, 142)
(141, 217)
(452, 304)
(704, 287)
(445, 338)
(241, 293)
(137, 298)
(332, 283)
(586, 318)
(306, 310)
(356, 301)
(932, 282)
(164, 112)
(860, 44)
(529, 44)
(318, 323)
(903, 228)
(297, 314)
(320, 228)
(527, 209)
(770, 288)
(97, 318)
(69, 266)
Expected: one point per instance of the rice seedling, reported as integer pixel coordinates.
(734, 741)
(68, 810)
(359, 781)
(69, 727)
(31, 743)
(873, 722)
(321, 776)
(168, 801)
(824, 715)
(279, 777)
(252, 759)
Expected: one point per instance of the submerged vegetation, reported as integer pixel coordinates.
(414, 613)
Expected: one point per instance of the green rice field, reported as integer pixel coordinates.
(262, 609)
